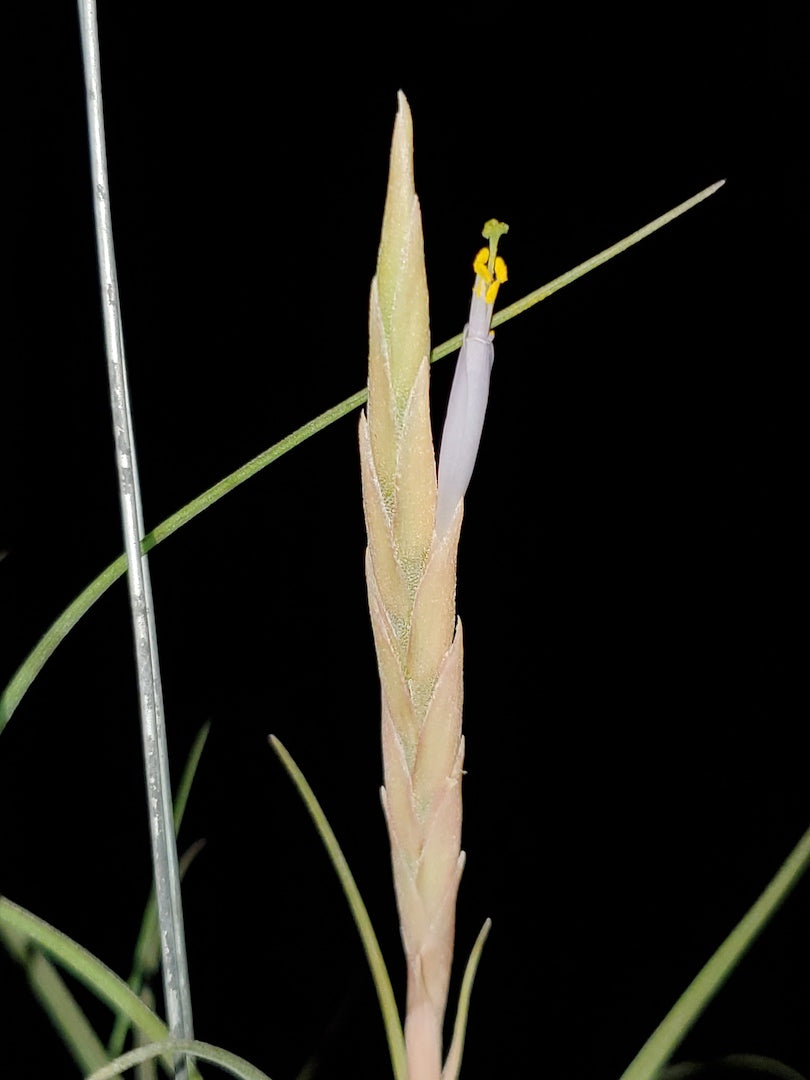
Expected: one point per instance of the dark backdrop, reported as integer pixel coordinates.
(629, 564)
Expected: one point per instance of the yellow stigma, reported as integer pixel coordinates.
(493, 231)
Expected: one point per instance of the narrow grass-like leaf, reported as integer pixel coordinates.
(604, 256)
(146, 956)
(578, 271)
(53, 994)
(379, 972)
(189, 772)
(147, 949)
(673, 1028)
(61, 627)
(103, 982)
(147, 1070)
(453, 1063)
(215, 1055)
(39, 655)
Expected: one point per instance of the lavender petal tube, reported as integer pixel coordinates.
(465, 414)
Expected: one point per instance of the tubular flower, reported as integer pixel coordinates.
(411, 577)
(470, 390)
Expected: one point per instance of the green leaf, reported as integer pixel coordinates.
(453, 1063)
(215, 1055)
(104, 983)
(53, 994)
(50, 989)
(38, 657)
(58, 631)
(379, 972)
(673, 1028)
(146, 957)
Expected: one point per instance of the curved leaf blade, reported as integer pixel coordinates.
(57, 1001)
(215, 1055)
(663, 1042)
(453, 1064)
(37, 658)
(103, 982)
(379, 972)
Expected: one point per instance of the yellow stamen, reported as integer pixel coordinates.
(480, 265)
(500, 277)
(489, 267)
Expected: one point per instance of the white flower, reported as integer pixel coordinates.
(470, 391)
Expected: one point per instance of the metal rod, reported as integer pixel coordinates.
(158, 786)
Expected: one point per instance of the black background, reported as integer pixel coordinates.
(629, 564)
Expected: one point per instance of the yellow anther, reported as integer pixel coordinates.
(490, 268)
(480, 265)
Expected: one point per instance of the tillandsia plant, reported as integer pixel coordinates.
(413, 526)
(413, 515)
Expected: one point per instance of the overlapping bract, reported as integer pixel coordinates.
(411, 578)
